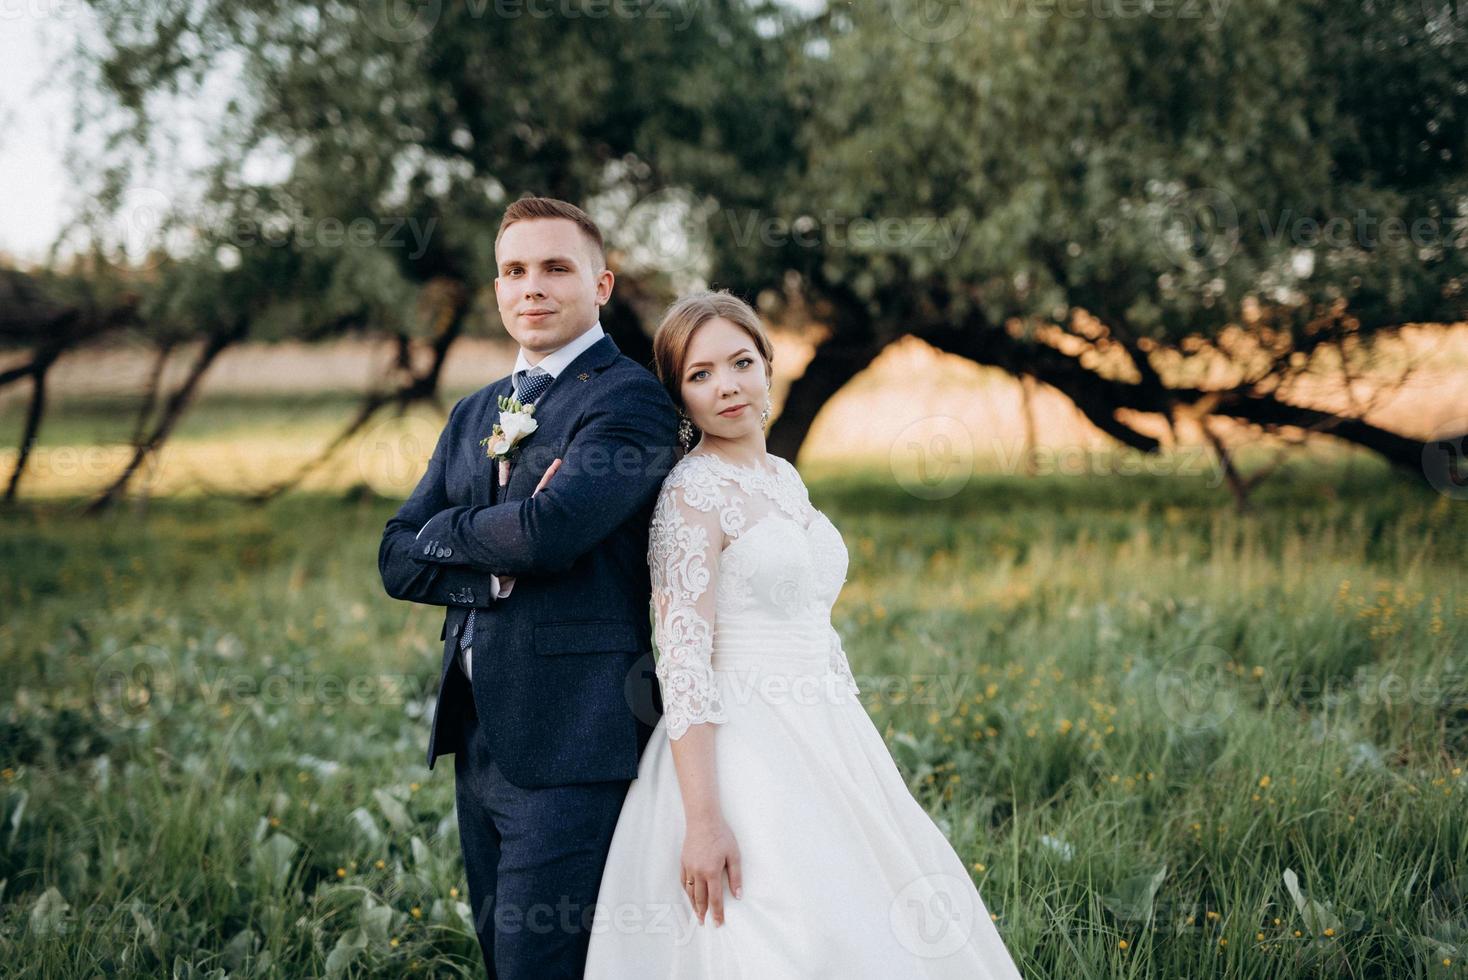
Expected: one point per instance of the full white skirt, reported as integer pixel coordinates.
(845, 874)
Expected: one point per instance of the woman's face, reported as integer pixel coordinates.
(723, 371)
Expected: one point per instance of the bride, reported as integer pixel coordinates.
(803, 854)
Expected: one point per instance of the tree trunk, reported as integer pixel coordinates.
(33, 416)
(834, 364)
(172, 411)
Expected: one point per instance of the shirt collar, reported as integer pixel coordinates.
(555, 362)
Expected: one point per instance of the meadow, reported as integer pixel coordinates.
(1168, 740)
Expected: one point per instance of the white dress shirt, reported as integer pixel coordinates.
(553, 364)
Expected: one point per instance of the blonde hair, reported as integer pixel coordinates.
(675, 332)
(528, 208)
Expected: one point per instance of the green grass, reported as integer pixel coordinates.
(1093, 683)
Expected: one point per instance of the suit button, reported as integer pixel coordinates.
(428, 549)
(448, 552)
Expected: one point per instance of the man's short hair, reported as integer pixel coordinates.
(527, 208)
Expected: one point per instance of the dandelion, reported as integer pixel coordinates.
(454, 893)
(1122, 944)
(1263, 782)
(416, 912)
(393, 942)
(341, 872)
(1329, 932)
(379, 864)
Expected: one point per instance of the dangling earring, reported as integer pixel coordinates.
(685, 431)
(764, 416)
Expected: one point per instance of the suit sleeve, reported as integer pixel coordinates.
(404, 578)
(611, 469)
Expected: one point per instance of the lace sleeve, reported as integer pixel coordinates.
(839, 664)
(683, 556)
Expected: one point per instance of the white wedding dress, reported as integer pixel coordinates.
(845, 874)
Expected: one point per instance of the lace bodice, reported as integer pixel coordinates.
(739, 558)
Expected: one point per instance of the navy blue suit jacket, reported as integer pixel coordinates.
(563, 668)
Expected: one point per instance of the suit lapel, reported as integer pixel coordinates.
(564, 387)
(587, 365)
(485, 485)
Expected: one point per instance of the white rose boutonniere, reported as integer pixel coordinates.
(516, 422)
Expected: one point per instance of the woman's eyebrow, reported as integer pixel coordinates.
(742, 350)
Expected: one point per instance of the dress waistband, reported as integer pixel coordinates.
(774, 648)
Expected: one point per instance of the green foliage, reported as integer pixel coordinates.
(1132, 711)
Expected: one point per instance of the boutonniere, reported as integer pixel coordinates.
(516, 422)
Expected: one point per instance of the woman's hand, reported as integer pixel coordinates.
(708, 849)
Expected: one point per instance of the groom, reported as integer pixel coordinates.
(546, 695)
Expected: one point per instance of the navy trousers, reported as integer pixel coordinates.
(533, 857)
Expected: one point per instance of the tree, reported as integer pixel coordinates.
(1258, 183)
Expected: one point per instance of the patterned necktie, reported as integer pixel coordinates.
(529, 386)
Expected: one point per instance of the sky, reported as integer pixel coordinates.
(34, 119)
(36, 109)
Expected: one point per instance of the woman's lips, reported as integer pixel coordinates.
(730, 413)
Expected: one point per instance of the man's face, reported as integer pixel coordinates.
(550, 286)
